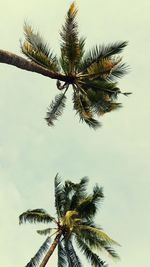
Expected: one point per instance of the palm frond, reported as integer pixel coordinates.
(82, 107)
(56, 108)
(101, 69)
(72, 257)
(71, 46)
(81, 45)
(94, 242)
(87, 206)
(101, 107)
(118, 71)
(99, 233)
(35, 39)
(62, 257)
(59, 196)
(101, 52)
(103, 96)
(93, 258)
(46, 231)
(37, 50)
(68, 190)
(35, 216)
(36, 259)
(93, 87)
(79, 192)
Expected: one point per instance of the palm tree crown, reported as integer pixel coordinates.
(74, 223)
(92, 74)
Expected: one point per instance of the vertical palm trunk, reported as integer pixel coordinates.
(51, 249)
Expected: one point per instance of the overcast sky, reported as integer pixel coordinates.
(117, 156)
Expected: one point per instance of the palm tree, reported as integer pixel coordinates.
(74, 223)
(92, 75)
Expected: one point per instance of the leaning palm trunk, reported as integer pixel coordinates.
(12, 59)
(51, 249)
(92, 74)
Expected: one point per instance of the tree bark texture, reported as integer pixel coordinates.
(22, 63)
(51, 249)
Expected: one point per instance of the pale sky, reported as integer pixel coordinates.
(117, 156)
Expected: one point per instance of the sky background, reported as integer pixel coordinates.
(116, 156)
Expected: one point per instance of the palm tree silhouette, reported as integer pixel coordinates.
(92, 75)
(74, 223)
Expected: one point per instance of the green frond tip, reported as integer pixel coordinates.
(35, 216)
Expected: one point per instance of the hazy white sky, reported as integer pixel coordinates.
(117, 156)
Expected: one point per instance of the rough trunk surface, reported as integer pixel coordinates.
(22, 63)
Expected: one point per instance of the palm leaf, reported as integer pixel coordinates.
(102, 96)
(39, 58)
(101, 69)
(71, 46)
(62, 257)
(59, 196)
(73, 192)
(110, 89)
(68, 189)
(87, 206)
(101, 107)
(119, 71)
(46, 231)
(93, 258)
(56, 108)
(81, 48)
(94, 242)
(101, 52)
(80, 192)
(35, 216)
(72, 257)
(37, 50)
(82, 107)
(36, 259)
(99, 233)
(35, 40)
